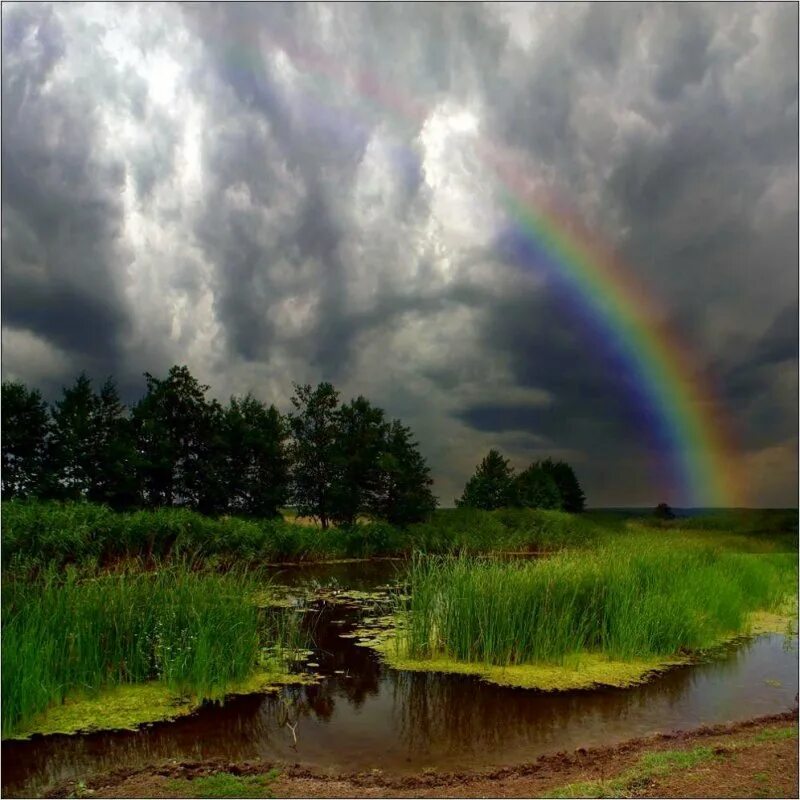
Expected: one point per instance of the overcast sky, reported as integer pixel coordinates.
(292, 193)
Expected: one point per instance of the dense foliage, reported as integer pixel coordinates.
(492, 485)
(544, 484)
(38, 534)
(176, 448)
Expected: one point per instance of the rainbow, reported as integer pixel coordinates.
(691, 420)
(684, 406)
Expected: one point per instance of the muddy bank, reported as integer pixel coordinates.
(745, 759)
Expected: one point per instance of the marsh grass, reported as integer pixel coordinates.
(628, 599)
(38, 534)
(197, 632)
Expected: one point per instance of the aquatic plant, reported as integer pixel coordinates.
(197, 632)
(634, 598)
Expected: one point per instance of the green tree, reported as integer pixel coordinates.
(360, 433)
(115, 481)
(404, 494)
(91, 450)
(178, 458)
(535, 488)
(572, 496)
(256, 458)
(492, 485)
(74, 440)
(26, 426)
(314, 428)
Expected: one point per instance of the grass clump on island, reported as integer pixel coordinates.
(633, 604)
(169, 639)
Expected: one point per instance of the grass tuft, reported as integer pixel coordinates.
(627, 600)
(197, 633)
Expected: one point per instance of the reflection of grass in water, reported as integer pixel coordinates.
(633, 599)
(199, 634)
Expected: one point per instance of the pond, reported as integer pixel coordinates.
(363, 715)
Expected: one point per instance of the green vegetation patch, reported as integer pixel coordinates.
(632, 600)
(117, 708)
(580, 671)
(195, 634)
(611, 616)
(224, 784)
(650, 765)
(132, 705)
(660, 763)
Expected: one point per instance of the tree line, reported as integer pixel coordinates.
(543, 484)
(332, 460)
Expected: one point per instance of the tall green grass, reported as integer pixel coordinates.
(37, 534)
(40, 534)
(628, 600)
(196, 632)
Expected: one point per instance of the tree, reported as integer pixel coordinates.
(256, 460)
(177, 456)
(360, 434)
(26, 425)
(404, 495)
(663, 511)
(572, 497)
(491, 486)
(115, 482)
(536, 488)
(315, 438)
(74, 442)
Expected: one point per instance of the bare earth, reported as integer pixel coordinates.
(758, 758)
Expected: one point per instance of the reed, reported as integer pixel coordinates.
(630, 599)
(196, 632)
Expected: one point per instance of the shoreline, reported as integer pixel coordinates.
(718, 758)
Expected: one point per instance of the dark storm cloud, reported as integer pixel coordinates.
(62, 216)
(279, 192)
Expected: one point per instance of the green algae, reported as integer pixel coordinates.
(583, 670)
(123, 707)
(781, 620)
(130, 706)
(579, 671)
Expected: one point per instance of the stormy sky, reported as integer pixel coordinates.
(294, 193)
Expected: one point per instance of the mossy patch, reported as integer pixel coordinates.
(224, 784)
(118, 708)
(781, 620)
(265, 681)
(581, 671)
(130, 706)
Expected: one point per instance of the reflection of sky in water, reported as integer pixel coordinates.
(370, 716)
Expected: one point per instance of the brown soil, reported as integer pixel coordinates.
(749, 759)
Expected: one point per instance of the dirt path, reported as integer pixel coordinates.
(758, 758)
